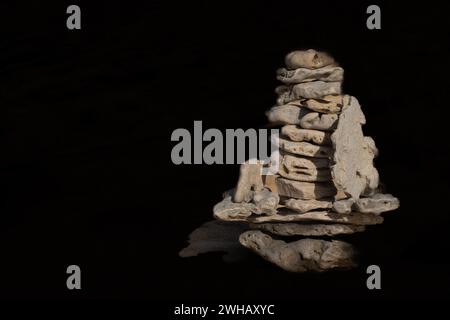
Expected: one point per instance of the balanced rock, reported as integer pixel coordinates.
(313, 89)
(286, 114)
(302, 255)
(266, 202)
(228, 210)
(311, 230)
(319, 121)
(343, 206)
(327, 74)
(249, 180)
(326, 104)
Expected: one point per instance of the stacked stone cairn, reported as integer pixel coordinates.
(326, 183)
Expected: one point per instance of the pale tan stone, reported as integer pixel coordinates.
(310, 59)
(296, 133)
(305, 149)
(286, 114)
(304, 190)
(303, 206)
(327, 104)
(327, 74)
(311, 230)
(307, 90)
(319, 121)
(302, 255)
(250, 179)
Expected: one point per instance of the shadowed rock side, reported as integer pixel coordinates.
(217, 236)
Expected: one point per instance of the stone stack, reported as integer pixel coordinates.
(326, 183)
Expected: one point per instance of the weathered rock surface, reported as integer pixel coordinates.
(303, 206)
(352, 169)
(319, 121)
(343, 206)
(266, 201)
(295, 133)
(377, 204)
(305, 190)
(270, 182)
(305, 149)
(306, 175)
(311, 230)
(250, 179)
(326, 104)
(327, 74)
(217, 236)
(308, 90)
(310, 59)
(231, 211)
(302, 255)
(286, 114)
(298, 163)
(356, 218)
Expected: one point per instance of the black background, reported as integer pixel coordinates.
(86, 119)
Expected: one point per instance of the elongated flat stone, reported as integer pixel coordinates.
(296, 133)
(326, 104)
(319, 121)
(228, 210)
(286, 114)
(327, 74)
(304, 190)
(308, 90)
(305, 149)
(294, 162)
(302, 206)
(353, 171)
(310, 59)
(302, 255)
(356, 218)
(377, 204)
(311, 230)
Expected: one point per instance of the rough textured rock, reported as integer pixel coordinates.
(310, 59)
(217, 236)
(308, 90)
(356, 218)
(303, 206)
(352, 169)
(302, 255)
(326, 104)
(270, 182)
(305, 149)
(377, 204)
(266, 201)
(343, 206)
(319, 121)
(304, 169)
(250, 179)
(229, 211)
(298, 163)
(286, 114)
(305, 190)
(295, 133)
(311, 230)
(327, 74)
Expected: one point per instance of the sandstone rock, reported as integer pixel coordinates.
(217, 236)
(305, 149)
(304, 169)
(303, 206)
(310, 59)
(231, 211)
(298, 134)
(270, 182)
(286, 114)
(327, 74)
(377, 204)
(306, 175)
(319, 121)
(326, 104)
(298, 163)
(356, 218)
(249, 180)
(304, 190)
(343, 206)
(266, 201)
(311, 230)
(308, 90)
(302, 255)
(352, 169)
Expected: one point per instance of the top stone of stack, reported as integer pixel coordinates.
(310, 59)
